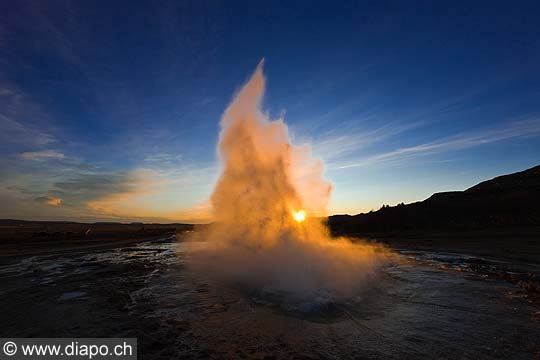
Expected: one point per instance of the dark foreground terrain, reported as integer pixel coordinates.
(422, 304)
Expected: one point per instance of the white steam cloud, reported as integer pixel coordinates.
(256, 240)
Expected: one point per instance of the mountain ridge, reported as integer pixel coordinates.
(506, 200)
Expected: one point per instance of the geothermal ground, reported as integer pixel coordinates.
(421, 304)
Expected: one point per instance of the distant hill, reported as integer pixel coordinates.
(508, 200)
(24, 231)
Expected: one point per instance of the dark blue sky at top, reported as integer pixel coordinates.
(117, 81)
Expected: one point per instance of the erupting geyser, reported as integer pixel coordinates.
(267, 207)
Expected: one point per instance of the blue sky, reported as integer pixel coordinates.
(110, 110)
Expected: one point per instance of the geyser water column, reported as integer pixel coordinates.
(256, 192)
(267, 188)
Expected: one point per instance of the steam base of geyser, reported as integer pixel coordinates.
(319, 303)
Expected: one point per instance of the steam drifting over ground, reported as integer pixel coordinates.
(259, 239)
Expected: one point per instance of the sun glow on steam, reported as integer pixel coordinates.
(261, 238)
(299, 215)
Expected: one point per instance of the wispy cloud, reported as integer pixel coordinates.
(49, 200)
(332, 146)
(517, 129)
(157, 194)
(17, 114)
(163, 187)
(162, 159)
(41, 155)
(123, 194)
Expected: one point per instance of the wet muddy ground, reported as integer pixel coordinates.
(422, 305)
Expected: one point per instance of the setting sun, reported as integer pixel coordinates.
(299, 216)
